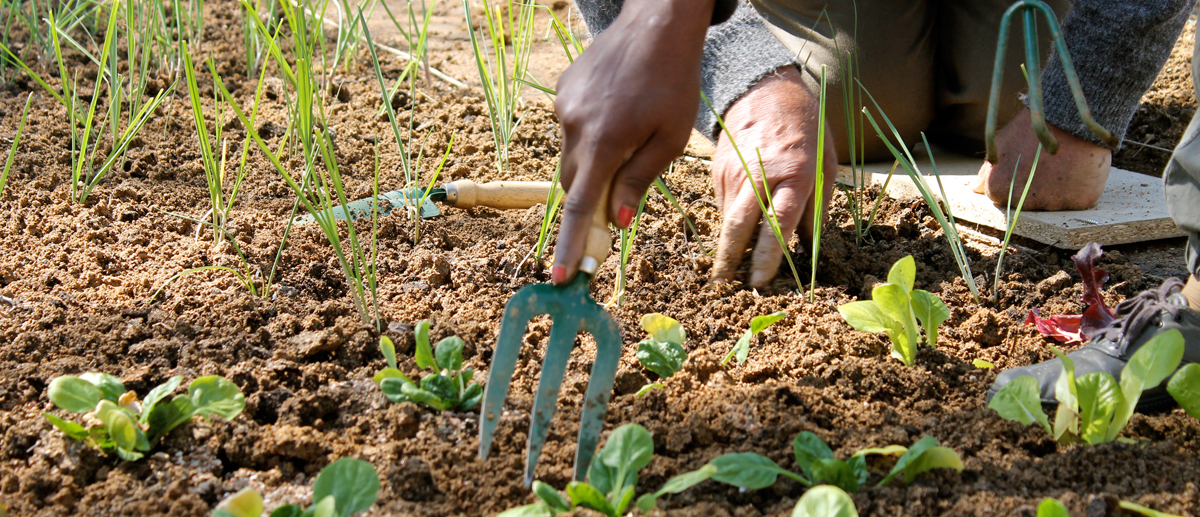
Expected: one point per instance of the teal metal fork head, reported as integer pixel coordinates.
(571, 309)
(1027, 9)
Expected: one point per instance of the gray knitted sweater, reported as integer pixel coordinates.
(1117, 47)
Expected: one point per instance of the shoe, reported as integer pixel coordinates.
(1138, 320)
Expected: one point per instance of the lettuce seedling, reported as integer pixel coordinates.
(1094, 407)
(1051, 507)
(825, 501)
(758, 324)
(345, 487)
(662, 353)
(1185, 387)
(129, 427)
(611, 478)
(896, 308)
(751, 471)
(1079, 328)
(448, 387)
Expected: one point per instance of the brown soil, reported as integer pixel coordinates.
(80, 278)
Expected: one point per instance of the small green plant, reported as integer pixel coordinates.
(502, 79)
(610, 481)
(1013, 217)
(345, 487)
(448, 387)
(1051, 507)
(752, 471)
(131, 428)
(895, 309)
(1093, 408)
(825, 501)
(1184, 386)
(758, 324)
(661, 353)
(818, 192)
(12, 151)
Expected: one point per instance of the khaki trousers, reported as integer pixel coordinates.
(927, 62)
(1181, 179)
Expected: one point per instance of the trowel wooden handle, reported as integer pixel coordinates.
(599, 238)
(503, 195)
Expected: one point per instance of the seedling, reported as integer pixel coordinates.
(131, 428)
(1050, 507)
(1184, 386)
(1093, 408)
(1012, 218)
(502, 82)
(825, 501)
(895, 309)
(12, 151)
(345, 487)
(760, 323)
(752, 471)
(610, 481)
(1078, 328)
(818, 192)
(661, 353)
(448, 387)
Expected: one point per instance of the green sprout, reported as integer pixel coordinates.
(131, 428)
(758, 324)
(12, 151)
(449, 387)
(662, 352)
(896, 308)
(501, 81)
(345, 487)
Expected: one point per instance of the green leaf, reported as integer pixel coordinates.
(647, 388)
(246, 503)
(389, 373)
(71, 429)
(604, 478)
(628, 449)
(122, 428)
(587, 496)
(167, 416)
(930, 311)
(676, 485)
(808, 447)
(741, 349)
(471, 397)
(353, 483)
(215, 395)
(825, 501)
(1148, 367)
(1050, 507)
(325, 507)
(551, 497)
(159, 392)
(1141, 510)
(663, 328)
(903, 273)
(392, 388)
(748, 470)
(935, 458)
(419, 395)
(538, 509)
(858, 464)
(128, 455)
(866, 316)
(449, 353)
(1099, 396)
(622, 502)
(835, 472)
(661, 357)
(389, 351)
(760, 323)
(1066, 393)
(1185, 387)
(441, 387)
(424, 355)
(287, 510)
(894, 302)
(73, 394)
(890, 450)
(983, 364)
(1021, 400)
(111, 387)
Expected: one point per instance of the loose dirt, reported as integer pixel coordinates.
(78, 281)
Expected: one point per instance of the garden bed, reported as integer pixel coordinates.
(79, 281)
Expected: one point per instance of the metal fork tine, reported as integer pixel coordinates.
(520, 308)
(554, 366)
(600, 386)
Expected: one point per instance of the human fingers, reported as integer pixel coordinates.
(737, 226)
(591, 174)
(636, 175)
(790, 203)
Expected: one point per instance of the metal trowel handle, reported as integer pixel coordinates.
(503, 195)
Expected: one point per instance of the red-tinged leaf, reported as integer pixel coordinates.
(1063, 328)
(1098, 315)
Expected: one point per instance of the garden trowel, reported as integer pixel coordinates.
(502, 195)
(572, 309)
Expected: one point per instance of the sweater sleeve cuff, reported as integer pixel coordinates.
(1117, 52)
(737, 54)
(723, 10)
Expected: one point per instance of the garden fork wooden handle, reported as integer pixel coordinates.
(599, 238)
(503, 195)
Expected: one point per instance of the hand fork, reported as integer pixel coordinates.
(572, 309)
(1033, 60)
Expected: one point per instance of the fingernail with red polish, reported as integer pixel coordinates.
(624, 216)
(558, 274)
